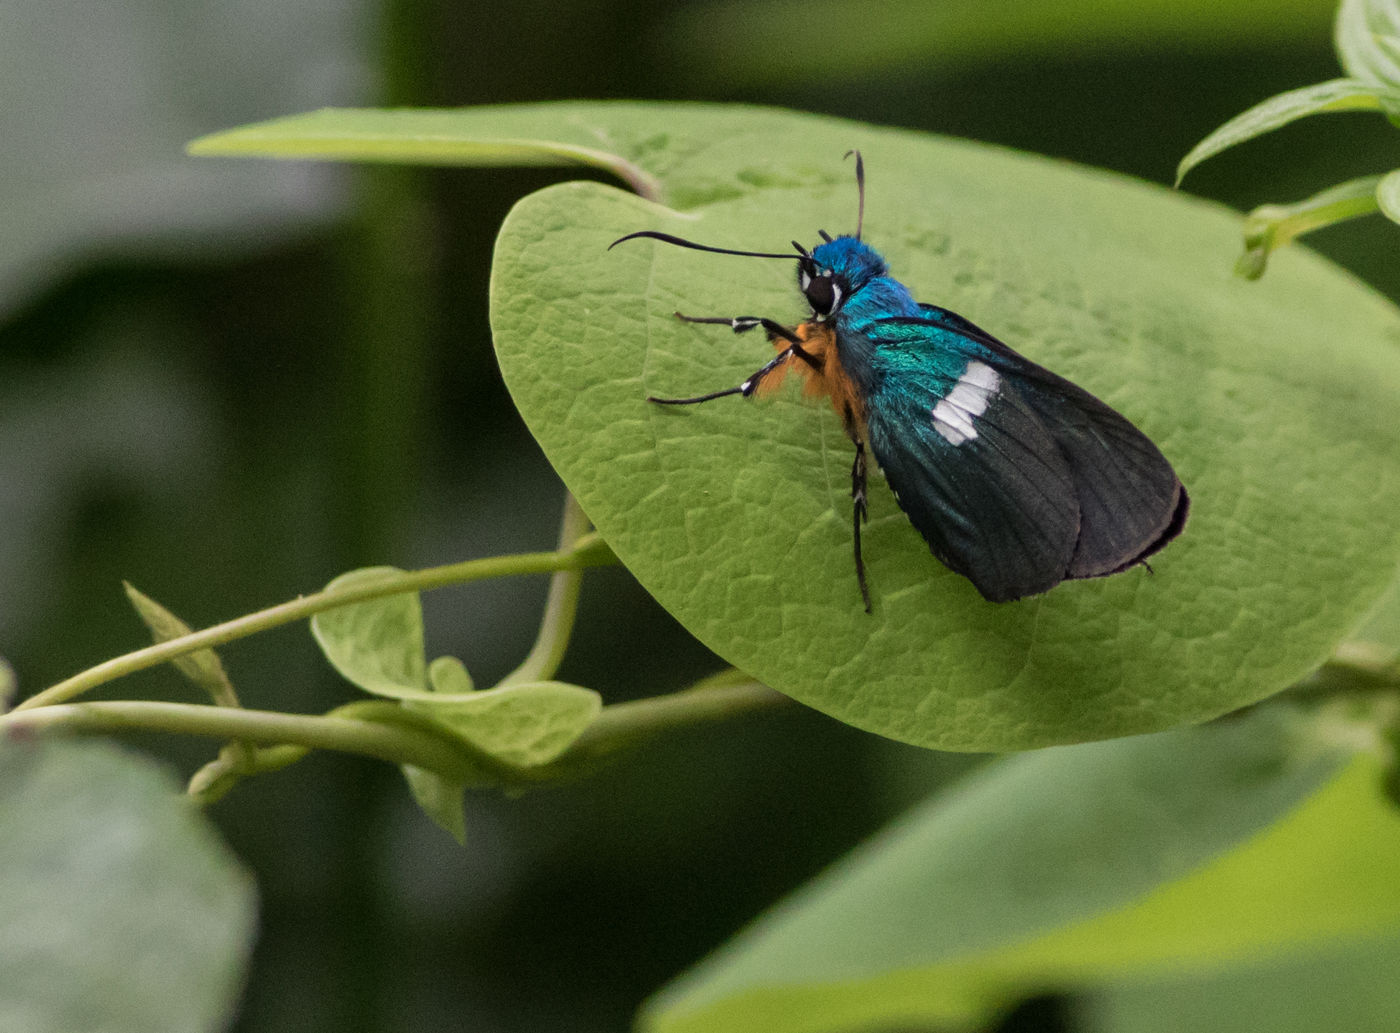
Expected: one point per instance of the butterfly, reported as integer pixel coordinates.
(1017, 478)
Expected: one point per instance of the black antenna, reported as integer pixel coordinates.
(666, 238)
(860, 188)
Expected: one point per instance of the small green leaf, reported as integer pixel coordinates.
(122, 910)
(1271, 226)
(448, 674)
(1279, 110)
(441, 799)
(377, 645)
(203, 667)
(525, 725)
(1388, 195)
(1065, 869)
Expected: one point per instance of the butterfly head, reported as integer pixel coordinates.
(835, 270)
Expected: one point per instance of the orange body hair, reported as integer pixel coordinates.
(829, 380)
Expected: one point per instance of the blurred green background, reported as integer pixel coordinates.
(229, 381)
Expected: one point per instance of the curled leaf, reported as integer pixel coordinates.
(1367, 38)
(1271, 226)
(524, 725)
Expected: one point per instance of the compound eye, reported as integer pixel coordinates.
(822, 294)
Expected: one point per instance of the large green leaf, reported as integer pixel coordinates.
(1351, 987)
(1276, 403)
(121, 910)
(1067, 868)
(1274, 400)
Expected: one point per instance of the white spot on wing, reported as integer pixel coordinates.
(953, 415)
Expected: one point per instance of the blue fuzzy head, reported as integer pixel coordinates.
(835, 271)
(846, 273)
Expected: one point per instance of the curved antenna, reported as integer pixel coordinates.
(666, 238)
(860, 188)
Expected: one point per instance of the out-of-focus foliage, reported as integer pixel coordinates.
(122, 909)
(103, 96)
(1368, 46)
(755, 41)
(1107, 864)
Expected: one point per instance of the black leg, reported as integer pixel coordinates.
(747, 388)
(774, 329)
(859, 515)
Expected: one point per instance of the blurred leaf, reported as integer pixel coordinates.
(1352, 987)
(8, 685)
(1367, 38)
(203, 667)
(109, 94)
(441, 799)
(1388, 195)
(525, 724)
(1279, 110)
(748, 42)
(377, 645)
(1067, 868)
(1271, 226)
(736, 516)
(122, 911)
(1382, 624)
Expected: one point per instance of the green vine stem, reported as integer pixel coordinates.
(561, 605)
(588, 551)
(388, 732)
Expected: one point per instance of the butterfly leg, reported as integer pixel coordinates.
(747, 388)
(774, 329)
(740, 324)
(859, 515)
